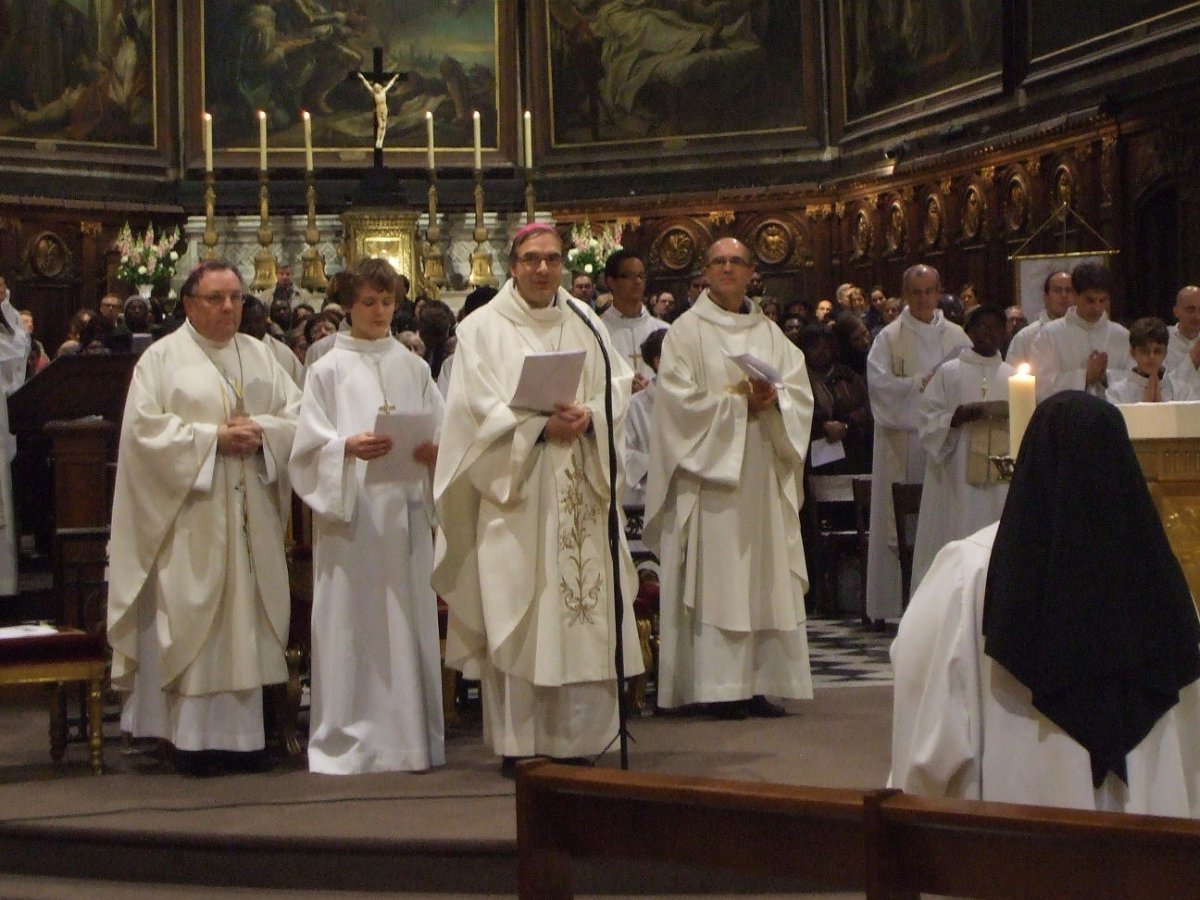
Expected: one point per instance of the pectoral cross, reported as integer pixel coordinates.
(386, 407)
(634, 359)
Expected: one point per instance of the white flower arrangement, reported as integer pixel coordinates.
(147, 259)
(590, 249)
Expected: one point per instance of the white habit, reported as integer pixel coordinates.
(627, 334)
(522, 557)
(1061, 349)
(637, 444)
(950, 507)
(376, 674)
(903, 353)
(1021, 345)
(14, 353)
(723, 513)
(198, 600)
(964, 727)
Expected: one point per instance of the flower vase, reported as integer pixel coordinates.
(144, 291)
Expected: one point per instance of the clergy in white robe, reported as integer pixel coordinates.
(1183, 347)
(952, 428)
(198, 602)
(14, 354)
(1084, 350)
(723, 503)
(1045, 661)
(1057, 297)
(522, 498)
(902, 360)
(628, 321)
(376, 683)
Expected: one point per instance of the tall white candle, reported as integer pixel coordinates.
(478, 143)
(1022, 398)
(429, 140)
(308, 161)
(528, 139)
(262, 140)
(208, 165)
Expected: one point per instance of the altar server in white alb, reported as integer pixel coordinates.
(14, 353)
(962, 493)
(628, 321)
(1084, 350)
(1183, 346)
(901, 362)
(1148, 380)
(198, 600)
(1057, 297)
(723, 503)
(1053, 658)
(522, 498)
(376, 682)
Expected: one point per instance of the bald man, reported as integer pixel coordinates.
(1183, 347)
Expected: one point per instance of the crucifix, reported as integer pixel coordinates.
(379, 82)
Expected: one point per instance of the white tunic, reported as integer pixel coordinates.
(964, 727)
(627, 334)
(637, 444)
(950, 507)
(1174, 386)
(14, 353)
(522, 555)
(722, 512)
(1021, 345)
(376, 683)
(1179, 360)
(902, 354)
(1061, 349)
(285, 357)
(198, 601)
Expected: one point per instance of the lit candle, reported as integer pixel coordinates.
(208, 142)
(262, 140)
(429, 140)
(308, 164)
(478, 143)
(1022, 398)
(528, 139)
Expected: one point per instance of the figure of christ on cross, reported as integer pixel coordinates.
(379, 88)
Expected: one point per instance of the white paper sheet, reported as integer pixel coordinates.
(821, 451)
(547, 379)
(756, 368)
(12, 632)
(408, 430)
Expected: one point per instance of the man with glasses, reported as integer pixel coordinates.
(583, 289)
(198, 602)
(1057, 297)
(628, 321)
(723, 502)
(522, 497)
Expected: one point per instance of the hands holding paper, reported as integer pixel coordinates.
(568, 423)
(368, 445)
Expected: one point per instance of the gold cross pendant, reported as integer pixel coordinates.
(387, 408)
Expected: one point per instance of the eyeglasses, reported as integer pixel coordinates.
(218, 298)
(722, 261)
(632, 276)
(534, 260)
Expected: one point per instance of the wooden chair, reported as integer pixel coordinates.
(861, 488)
(835, 533)
(906, 501)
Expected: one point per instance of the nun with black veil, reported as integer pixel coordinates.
(1052, 658)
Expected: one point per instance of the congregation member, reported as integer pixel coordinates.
(376, 684)
(902, 360)
(1148, 380)
(640, 424)
(841, 406)
(664, 306)
(285, 289)
(959, 430)
(582, 288)
(522, 497)
(254, 323)
(1183, 347)
(1084, 350)
(628, 321)
(331, 314)
(1052, 658)
(1014, 323)
(198, 599)
(1057, 297)
(723, 503)
(15, 344)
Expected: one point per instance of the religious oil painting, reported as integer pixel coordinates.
(78, 71)
(898, 52)
(286, 57)
(1078, 27)
(630, 71)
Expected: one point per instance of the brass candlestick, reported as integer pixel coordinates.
(431, 255)
(481, 260)
(312, 277)
(264, 259)
(530, 197)
(210, 216)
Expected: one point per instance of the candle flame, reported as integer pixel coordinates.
(261, 114)
(306, 115)
(428, 114)
(1024, 369)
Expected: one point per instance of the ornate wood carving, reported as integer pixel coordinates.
(896, 228)
(1017, 196)
(860, 235)
(931, 227)
(974, 210)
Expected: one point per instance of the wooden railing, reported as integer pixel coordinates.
(883, 843)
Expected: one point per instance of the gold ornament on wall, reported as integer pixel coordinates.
(773, 243)
(48, 255)
(897, 228)
(860, 234)
(932, 227)
(675, 250)
(1016, 207)
(1064, 187)
(974, 207)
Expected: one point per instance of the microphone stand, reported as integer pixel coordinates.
(614, 541)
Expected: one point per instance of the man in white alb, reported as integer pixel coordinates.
(628, 321)
(1057, 297)
(1183, 346)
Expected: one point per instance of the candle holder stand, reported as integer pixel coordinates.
(312, 276)
(210, 217)
(481, 259)
(264, 260)
(432, 266)
(530, 196)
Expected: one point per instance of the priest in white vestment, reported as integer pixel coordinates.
(376, 671)
(522, 498)
(723, 503)
(952, 424)
(1057, 297)
(1084, 350)
(1183, 347)
(628, 321)
(902, 360)
(1045, 660)
(198, 602)
(14, 354)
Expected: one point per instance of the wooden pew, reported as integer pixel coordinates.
(566, 813)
